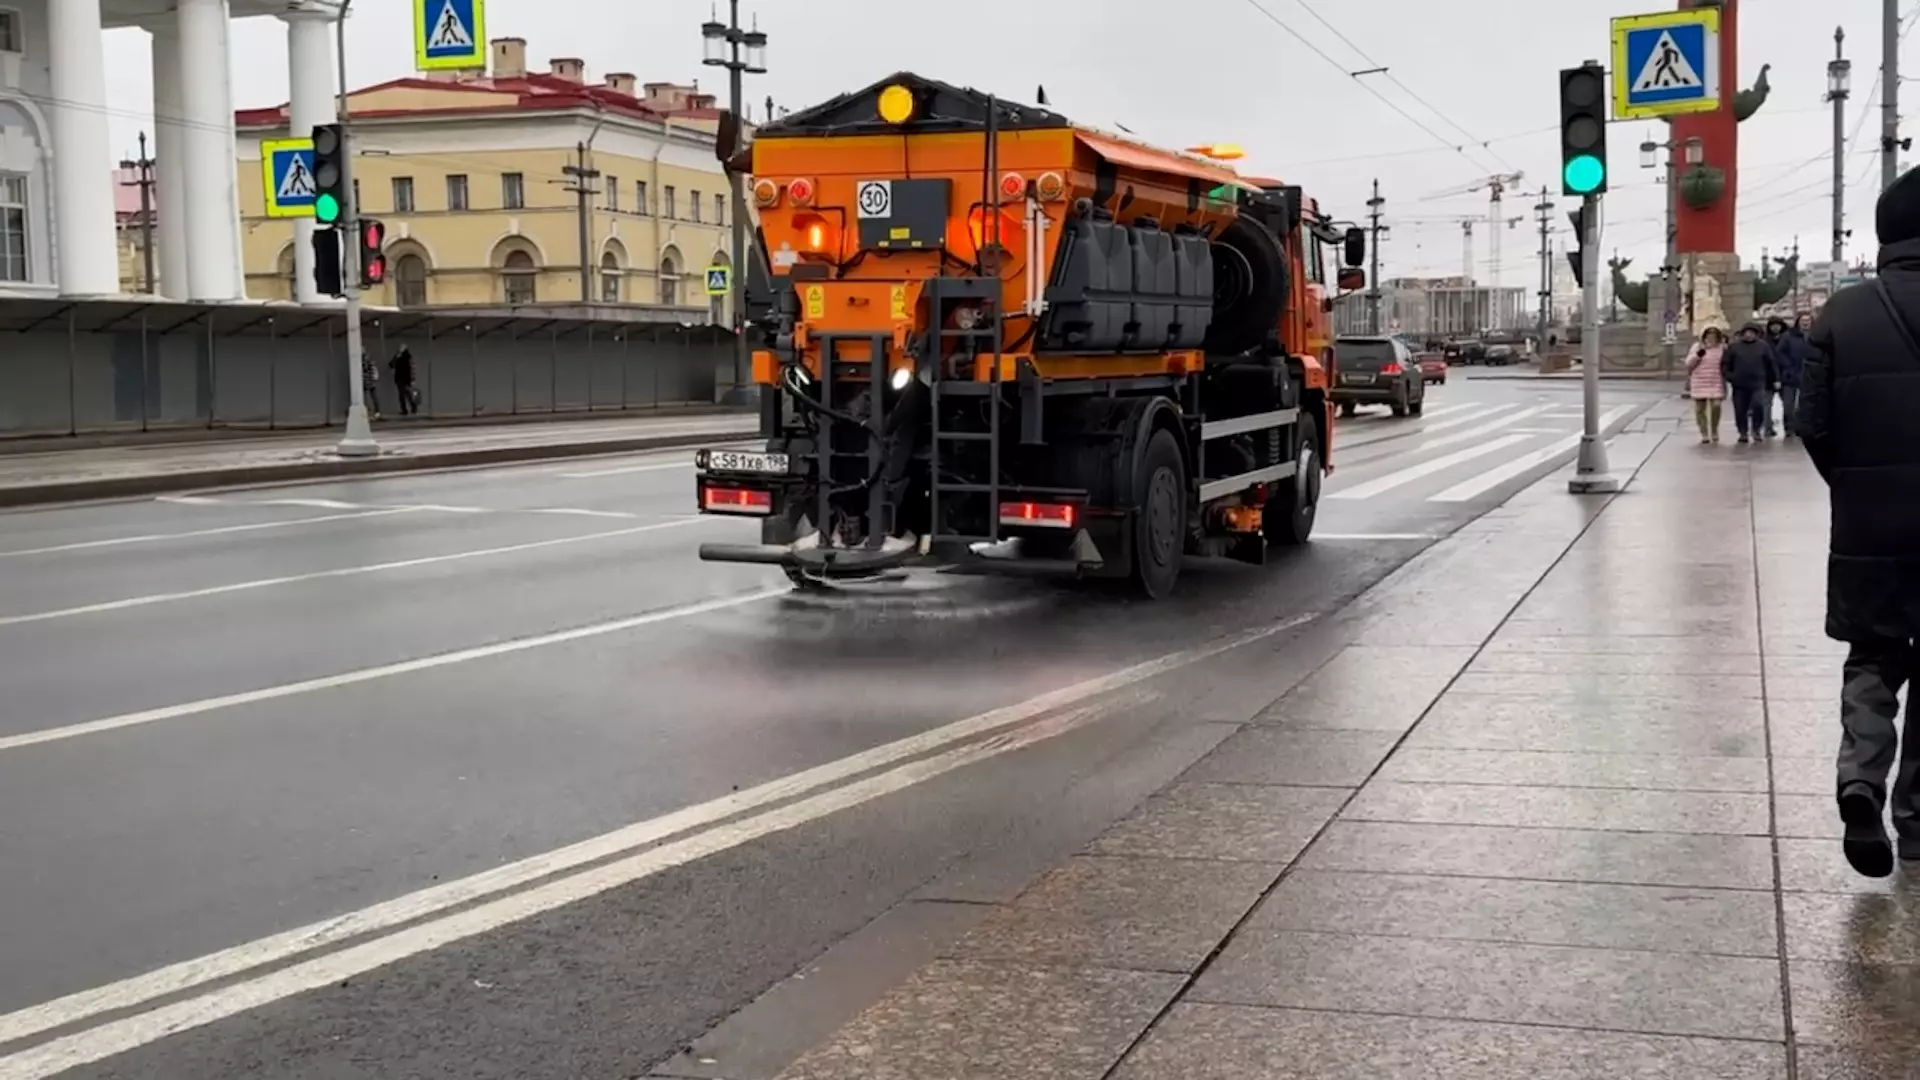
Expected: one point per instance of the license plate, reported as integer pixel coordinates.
(1357, 380)
(744, 461)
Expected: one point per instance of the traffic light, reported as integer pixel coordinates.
(329, 174)
(327, 278)
(1583, 130)
(373, 258)
(1577, 252)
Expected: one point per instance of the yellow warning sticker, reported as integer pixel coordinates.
(816, 302)
(899, 298)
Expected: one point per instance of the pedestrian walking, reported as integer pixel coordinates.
(1753, 374)
(1859, 397)
(1706, 385)
(1793, 366)
(403, 384)
(370, 384)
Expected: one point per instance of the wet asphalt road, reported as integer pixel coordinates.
(238, 713)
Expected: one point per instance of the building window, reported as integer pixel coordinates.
(456, 192)
(13, 228)
(640, 197)
(11, 38)
(719, 209)
(513, 191)
(669, 280)
(403, 194)
(518, 276)
(693, 206)
(613, 192)
(609, 279)
(667, 209)
(410, 281)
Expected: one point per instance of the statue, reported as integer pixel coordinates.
(1632, 295)
(1704, 307)
(1772, 288)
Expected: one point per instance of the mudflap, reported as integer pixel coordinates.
(1027, 557)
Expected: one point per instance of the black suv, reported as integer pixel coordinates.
(1377, 371)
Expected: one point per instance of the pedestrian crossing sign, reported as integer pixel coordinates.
(450, 35)
(719, 281)
(1666, 63)
(286, 171)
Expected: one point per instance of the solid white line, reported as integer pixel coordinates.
(1442, 463)
(328, 682)
(1374, 536)
(120, 1036)
(149, 538)
(188, 500)
(1479, 485)
(289, 944)
(568, 511)
(625, 469)
(338, 572)
(317, 504)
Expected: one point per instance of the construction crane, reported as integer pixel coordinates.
(1496, 187)
(1467, 224)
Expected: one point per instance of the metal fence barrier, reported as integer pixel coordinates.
(86, 367)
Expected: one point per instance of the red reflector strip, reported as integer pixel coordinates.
(1048, 515)
(723, 500)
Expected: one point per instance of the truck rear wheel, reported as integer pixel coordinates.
(1288, 521)
(1159, 517)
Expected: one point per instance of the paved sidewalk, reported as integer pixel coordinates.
(119, 471)
(1558, 805)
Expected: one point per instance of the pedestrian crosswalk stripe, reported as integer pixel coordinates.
(1479, 485)
(1407, 476)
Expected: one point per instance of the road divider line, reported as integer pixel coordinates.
(1476, 486)
(383, 671)
(339, 572)
(1375, 536)
(257, 526)
(623, 470)
(120, 1036)
(1427, 468)
(290, 944)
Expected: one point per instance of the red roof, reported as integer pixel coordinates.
(534, 91)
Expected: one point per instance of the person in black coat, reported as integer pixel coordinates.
(402, 366)
(1752, 371)
(1860, 419)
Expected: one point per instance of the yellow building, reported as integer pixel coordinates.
(471, 176)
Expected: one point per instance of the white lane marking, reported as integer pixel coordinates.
(328, 682)
(1408, 475)
(625, 469)
(1375, 536)
(1476, 486)
(150, 538)
(340, 572)
(188, 500)
(120, 1036)
(317, 504)
(436, 899)
(443, 509)
(1469, 435)
(568, 511)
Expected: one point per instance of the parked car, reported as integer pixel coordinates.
(1377, 371)
(1433, 368)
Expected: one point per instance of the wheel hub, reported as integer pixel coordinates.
(1162, 511)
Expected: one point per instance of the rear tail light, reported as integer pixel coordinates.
(1390, 369)
(1045, 515)
(726, 500)
(800, 191)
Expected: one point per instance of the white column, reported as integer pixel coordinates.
(212, 227)
(310, 75)
(170, 172)
(86, 256)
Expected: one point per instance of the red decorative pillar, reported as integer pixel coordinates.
(1711, 230)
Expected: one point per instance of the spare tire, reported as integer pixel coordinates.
(1250, 287)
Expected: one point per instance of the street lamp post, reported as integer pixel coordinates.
(1695, 152)
(742, 52)
(1839, 88)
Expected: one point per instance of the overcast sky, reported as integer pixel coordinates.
(1185, 71)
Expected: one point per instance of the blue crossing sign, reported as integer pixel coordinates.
(1666, 63)
(449, 35)
(286, 171)
(719, 280)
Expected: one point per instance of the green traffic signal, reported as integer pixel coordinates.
(326, 209)
(1584, 174)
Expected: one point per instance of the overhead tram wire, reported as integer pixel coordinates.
(1342, 68)
(1484, 144)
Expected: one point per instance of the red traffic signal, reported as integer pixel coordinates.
(373, 259)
